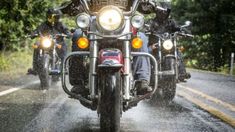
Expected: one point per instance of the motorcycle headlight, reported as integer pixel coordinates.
(110, 18)
(137, 21)
(167, 44)
(46, 42)
(83, 20)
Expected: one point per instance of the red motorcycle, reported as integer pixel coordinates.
(109, 35)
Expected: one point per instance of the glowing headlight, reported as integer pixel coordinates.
(110, 18)
(46, 42)
(137, 21)
(168, 44)
(83, 20)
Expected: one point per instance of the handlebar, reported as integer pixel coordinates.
(52, 36)
(186, 35)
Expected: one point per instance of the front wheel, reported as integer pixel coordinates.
(110, 102)
(43, 72)
(166, 91)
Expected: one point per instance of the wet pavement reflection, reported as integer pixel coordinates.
(33, 110)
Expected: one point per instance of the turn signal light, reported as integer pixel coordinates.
(137, 43)
(83, 43)
(34, 46)
(59, 46)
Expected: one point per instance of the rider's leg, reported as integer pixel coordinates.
(142, 68)
(33, 70)
(63, 51)
(182, 70)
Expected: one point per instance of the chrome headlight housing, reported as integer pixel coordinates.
(167, 44)
(110, 18)
(46, 42)
(83, 20)
(137, 21)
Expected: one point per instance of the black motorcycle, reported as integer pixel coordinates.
(109, 85)
(167, 55)
(49, 64)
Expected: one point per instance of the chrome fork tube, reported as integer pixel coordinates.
(127, 69)
(176, 59)
(160, 53)
(53, 56)
(92, 70)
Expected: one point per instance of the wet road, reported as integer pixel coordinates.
(33, 110)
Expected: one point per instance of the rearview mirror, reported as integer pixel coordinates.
(186, 24)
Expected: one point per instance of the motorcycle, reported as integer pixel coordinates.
(109, 35)
(49, 63)
(167, 55)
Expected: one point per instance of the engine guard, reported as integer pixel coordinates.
(130, 102)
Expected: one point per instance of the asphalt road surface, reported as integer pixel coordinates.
(23, 107)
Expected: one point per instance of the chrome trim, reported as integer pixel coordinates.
(160, 53)
(85, 6)
(176, 60)
(109, 36)
(135, 6)
(127, 70)
(92, 69)
(64, 71)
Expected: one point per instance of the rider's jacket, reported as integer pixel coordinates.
(47, 29)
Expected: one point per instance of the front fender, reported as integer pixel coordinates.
(110, 58)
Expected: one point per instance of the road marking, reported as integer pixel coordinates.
(217, 101)
(17, 88)
(208, 108)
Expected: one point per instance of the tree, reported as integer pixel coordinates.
(19, 17)
(214, 28)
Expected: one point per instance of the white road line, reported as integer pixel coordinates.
(17, 88)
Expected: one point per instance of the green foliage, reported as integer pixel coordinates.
(213, 27)
(15, 62)
(4, 63)
(20, 17)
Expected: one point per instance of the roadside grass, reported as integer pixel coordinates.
(192, 64)
(14, 64)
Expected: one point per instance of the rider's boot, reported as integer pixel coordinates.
(184, 76)
(143, 87)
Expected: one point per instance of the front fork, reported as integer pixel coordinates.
(127, 69)
(176, 60)
(93, 53)
(92, 71)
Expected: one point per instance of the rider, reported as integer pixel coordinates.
(51, 26)
(162, 23)
(141, 65)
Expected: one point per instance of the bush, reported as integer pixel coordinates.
(4, 63)
(15, 62)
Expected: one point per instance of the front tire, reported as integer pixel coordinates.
(110, 102)
(167, 85)
(43, 72)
